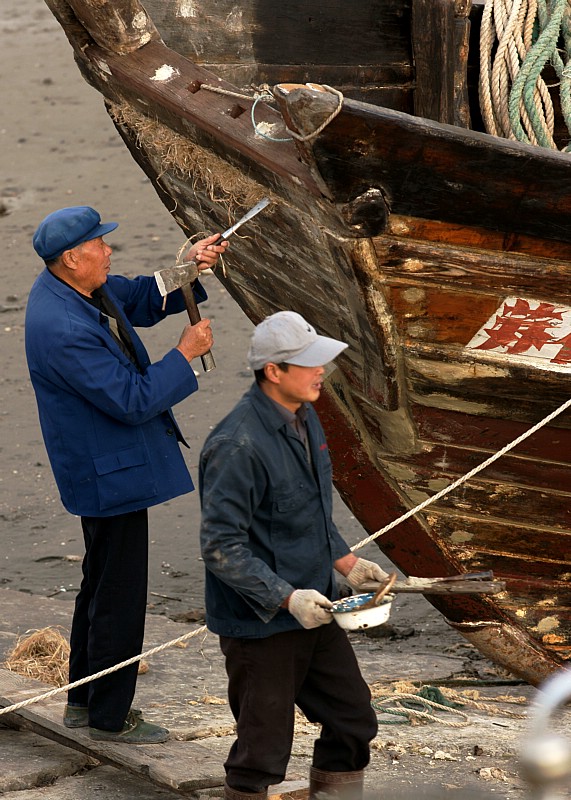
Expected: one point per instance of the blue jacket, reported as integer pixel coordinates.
(267, 525)
(110, 435)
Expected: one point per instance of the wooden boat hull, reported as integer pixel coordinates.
(424, 246)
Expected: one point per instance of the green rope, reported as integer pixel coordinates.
(523, 88)
(434, 694)
(404, 717)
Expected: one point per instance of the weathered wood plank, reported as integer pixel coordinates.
(496, 385)
(118, 25)
(486, 497)
(200, 115)
(431, 313)
(487, 435)
(544, 595)
(432, 33)
(455, 235)
(184, 767)
(433, 465)
(461, 100)
(458, 587)
(473, 270)
(512, 567)
(443, 172)
(326, 30)
(502, 537)
(181, 766)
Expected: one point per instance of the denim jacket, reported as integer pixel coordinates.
(267, 525)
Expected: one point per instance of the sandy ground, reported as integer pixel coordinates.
(57, 148)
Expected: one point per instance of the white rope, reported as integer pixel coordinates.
(264, 94)
(390, 526)
(59, 689)
(514, 37)
(465, 477)
(307, 137)
(413, 713)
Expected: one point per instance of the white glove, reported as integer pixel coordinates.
(309, 607)
(364, 572)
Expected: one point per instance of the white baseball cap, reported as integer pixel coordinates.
(286, 337)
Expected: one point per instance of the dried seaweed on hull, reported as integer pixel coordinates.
(224, 183)
(42, 655)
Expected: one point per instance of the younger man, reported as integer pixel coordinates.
(270, 546)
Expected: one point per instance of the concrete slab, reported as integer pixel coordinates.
(185, 688)
(28, 760)
(99, 783)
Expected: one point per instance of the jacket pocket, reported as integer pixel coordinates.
(124, 477)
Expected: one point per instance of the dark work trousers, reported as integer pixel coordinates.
(314, 669)
(109, 617)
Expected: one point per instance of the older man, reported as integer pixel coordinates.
(270, 547)
(112, 440)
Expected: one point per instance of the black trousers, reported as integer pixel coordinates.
(314, 669)
(109, 618)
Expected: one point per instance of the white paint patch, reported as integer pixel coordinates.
(140, 21)
(103, 66)
(414, 295)
(234, 20)
(270, 129)
(547, 624)
(528, 330)
(186, 9)
(165, 73)
(413, 265)
(461, 537)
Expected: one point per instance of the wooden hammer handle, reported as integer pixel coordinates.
(194, 317)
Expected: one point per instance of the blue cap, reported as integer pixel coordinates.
(64, 229)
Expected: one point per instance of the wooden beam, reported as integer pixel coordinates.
(432, 35)
(117, 25)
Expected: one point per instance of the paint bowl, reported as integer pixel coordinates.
(349, 614)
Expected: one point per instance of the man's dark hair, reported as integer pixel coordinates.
(260, 375)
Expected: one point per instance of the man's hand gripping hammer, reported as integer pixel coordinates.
(182, 276)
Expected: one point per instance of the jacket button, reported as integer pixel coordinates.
(170, 432)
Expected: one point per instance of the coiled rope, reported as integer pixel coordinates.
(416, 707)
(518, 39)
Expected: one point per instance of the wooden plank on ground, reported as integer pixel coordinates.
(179, 766)
(182, 767)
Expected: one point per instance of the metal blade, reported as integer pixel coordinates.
(172, 278)
(251, 213)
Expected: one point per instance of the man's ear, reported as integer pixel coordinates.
(272, 372)
(68, 259)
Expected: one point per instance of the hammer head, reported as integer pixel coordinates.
(172, 278)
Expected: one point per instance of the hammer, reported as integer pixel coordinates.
(181, 277)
